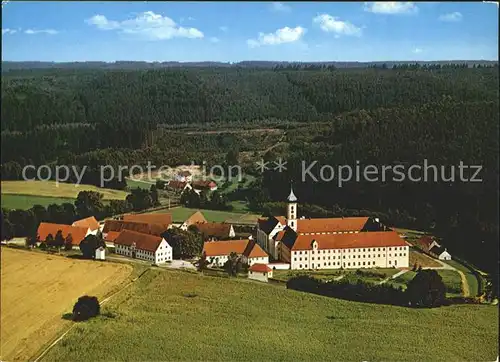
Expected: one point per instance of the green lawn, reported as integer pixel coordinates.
(180, 214)
(25, 202)
(132, 184)
(452, 281)
(172, 315)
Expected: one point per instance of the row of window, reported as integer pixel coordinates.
(348, 256)
(368, 263)
(333, 251)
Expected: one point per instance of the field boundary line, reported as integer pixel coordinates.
(75, 324)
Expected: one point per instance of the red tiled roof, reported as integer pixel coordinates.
(216, 229)
(142, 241)
(89, 222)
(280, 235)
(177, 184)
(77, 233)
(260, 268)
(242, 247)
(253, 250)
(160, 219)
(195, 218)
(350, 241)
(281, 219)
(141, 227)
(111, 236)
(203, 183)
(331, 224)
(425, 241)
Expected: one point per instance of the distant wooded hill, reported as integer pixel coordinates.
(11, 65)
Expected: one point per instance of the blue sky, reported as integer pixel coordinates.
(236, 31)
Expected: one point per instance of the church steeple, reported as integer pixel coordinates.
(291, 210)
(291, 197)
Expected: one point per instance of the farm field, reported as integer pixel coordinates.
(223, 319)
(51, 189)
(25, 202)
(180, 214)
(37, 289)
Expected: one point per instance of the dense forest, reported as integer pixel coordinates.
(380, 116)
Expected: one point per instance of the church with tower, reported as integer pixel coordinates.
(330, 243)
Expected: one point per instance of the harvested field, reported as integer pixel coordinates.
(37, 289)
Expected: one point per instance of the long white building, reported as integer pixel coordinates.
(143, 246)
(331, 243)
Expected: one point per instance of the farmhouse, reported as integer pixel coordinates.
(216, 230)
(260, 272)
(89, 222)
(74, 233)
(141, 227)
(143, 246)
(426, 243)
(184, 176)
(217, 252)
(204, 185)
(175, 185)
(196, 218)
(440, 252)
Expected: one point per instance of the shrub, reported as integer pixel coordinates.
(426, 289)
(86, 307)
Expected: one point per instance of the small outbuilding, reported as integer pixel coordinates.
(260, 272)
(440, 252)
(100, 253)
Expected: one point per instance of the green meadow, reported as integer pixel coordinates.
(173, 315)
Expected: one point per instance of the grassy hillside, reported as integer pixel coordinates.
(170, 315)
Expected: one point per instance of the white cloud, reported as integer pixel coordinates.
(332, 24)
(147, 24)
(391, 7)
(41, 31)
(8, 31)
(214, 39)
(451, 17)
(491, 2)
(417, 50)
(280, 7)
(280, 36)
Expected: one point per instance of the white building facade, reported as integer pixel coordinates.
(157, 254)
